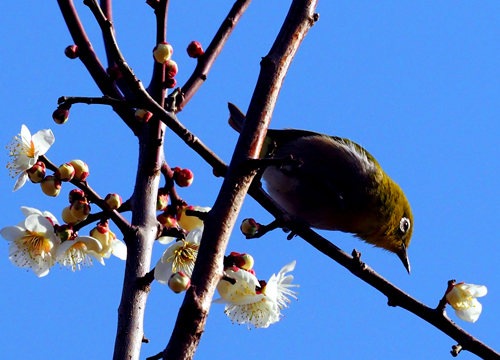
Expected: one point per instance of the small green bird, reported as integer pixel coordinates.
(339, 186)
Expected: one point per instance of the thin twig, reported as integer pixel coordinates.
(206, 61)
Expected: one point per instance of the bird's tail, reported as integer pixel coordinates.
(236, 117)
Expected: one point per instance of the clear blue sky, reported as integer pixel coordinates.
(416, 83)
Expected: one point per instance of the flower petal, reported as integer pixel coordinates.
(27, 211)
(472, 313)
(21, 180)
(19, 258)
(163, 271)
(91, 243)
(43, 140)
(119, 249)
(166, 239)
(12, 233)
(25, 133)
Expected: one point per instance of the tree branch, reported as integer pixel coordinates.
(206, 61)
(89, 58)
(221, 219)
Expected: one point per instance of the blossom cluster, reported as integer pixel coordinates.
(38, 242)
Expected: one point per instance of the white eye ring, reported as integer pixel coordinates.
(404, 224)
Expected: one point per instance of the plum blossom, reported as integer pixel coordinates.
(75, 253)
(250, 301)
(462, 298)
(32, 244)
(24, 151)
(180, 256)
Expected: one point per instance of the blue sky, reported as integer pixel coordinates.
(415, 83)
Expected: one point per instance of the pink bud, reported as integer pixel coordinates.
(194, 49)
(71, 51)
(51, 186)
(163, 52)
(75, 195)
(64, 232)
(249, 227)
(114, 73)
(113, 201)
(67, 217)
(80, 209)
(37, 172)
(162, 200)
(143, 115)
(244, 261)
(170, 83)
(171, 69)
(183, 177)
(167, 220)
(60, 115)
(65, 172)
(81, 169)
(179, 282)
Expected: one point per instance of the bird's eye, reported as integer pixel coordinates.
(404, 225)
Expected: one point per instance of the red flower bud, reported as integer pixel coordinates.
(60, 115)
(71, 51)
(194, 49)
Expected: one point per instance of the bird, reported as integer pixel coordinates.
(338, 186)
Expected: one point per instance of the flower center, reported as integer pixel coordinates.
(184, 257)
(17, 147)
(35, 244)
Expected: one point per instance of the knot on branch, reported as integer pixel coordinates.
(358, 265)
(455, 350)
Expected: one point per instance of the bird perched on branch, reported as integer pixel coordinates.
(339, 186)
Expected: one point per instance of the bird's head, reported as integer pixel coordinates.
(394, 224)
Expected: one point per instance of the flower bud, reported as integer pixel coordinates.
(81, 169)
(244, 261)
(143, 115)
(249, 227)
(71, 51)
(194, 49)
(37, 172)
(183, 177)
(167, 220)
(67, 217)
(187, 222)
(171, 69)
(179, 282)
(162, 200)
(51, 186)
(112, 201)
(65, 172)
(170, 83)
(80, 209)
(101, 233)
(75, 195)
(162, 52)
(64, 232)
(60, 115)
(114, 73)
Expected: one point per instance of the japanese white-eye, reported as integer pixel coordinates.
(339, 186)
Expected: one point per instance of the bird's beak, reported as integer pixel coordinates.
(404, 257)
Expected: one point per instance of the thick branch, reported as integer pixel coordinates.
(221, 219)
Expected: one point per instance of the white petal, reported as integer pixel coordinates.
(219, 301)
(242, 275)
(19, 258)
(27, 211)
(287, 268)
(61, 250)
(90, 242)
(25, 133)
(43, 140)
(97, 256)
(475, 290)
(12, 233)
(119, 249)
(194, 236)
(163, 271)
(40, 268)
(166, 239)
(39, 224)
(21, 180)
(471, 314)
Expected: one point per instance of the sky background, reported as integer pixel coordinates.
(416, 83)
